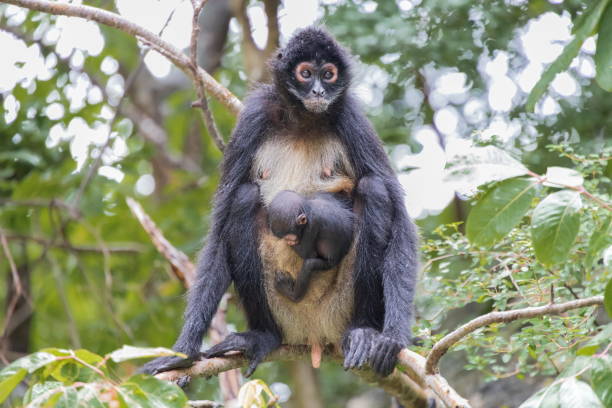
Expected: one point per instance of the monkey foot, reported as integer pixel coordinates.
(383, 354)
(255, 346)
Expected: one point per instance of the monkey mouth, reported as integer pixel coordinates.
(291, 239)
(316, 104)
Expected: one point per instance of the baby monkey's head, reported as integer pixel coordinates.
(287, 216)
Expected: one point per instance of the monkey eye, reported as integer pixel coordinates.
(306, 74)
(328, 75)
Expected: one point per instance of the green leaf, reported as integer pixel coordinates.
(608, 298)
(601, 379)
(588, 25)
(601, 239)
(12, 374)
(577, 394)
(130, 353)
(554, 226)
(88, 397)
(40, 393)
(603, 54)
(9, 379)
(562, 177)
(499, 210)
(480, 165)
(146, 391)
(545, 398)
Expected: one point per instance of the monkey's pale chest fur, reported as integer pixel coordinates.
(297, 163)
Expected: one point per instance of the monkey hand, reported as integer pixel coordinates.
(285, 285)
(356, 346)
(383, 354)
(254, 344)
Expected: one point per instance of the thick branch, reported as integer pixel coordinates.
(442, 346)
(108, 18)
(398, 384)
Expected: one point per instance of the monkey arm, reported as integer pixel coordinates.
(386, 257)
(214, 270)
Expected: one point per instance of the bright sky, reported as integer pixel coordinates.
(540, 41)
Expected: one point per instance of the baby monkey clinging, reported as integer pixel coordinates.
(319, 229)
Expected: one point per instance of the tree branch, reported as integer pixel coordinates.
(123, 249)
(181, 265)
(398, 384)
(110, 19)
(442, 346)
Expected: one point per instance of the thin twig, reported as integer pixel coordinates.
(580, 189)
(442, 346)
(127, 249)
(202, 102)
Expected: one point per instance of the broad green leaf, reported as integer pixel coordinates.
(601, 379)
(554, 226)
(545, 398)
(601, 239)
(130, 352)
(480, 165)
(603, 54)
(562, 176)
(12, 374)
(577, 394)
(608, 298)
(585, 30)
(9, 379)
(40, 393)
(88, 357)
(578, 365)
(499, 210)
(149, 392)
(89, 397)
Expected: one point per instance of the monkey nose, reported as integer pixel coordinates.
(318, 92)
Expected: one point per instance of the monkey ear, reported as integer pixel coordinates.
(301, 219)
(279, 55)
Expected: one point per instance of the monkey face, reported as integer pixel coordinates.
(312, 69)
(315, 84)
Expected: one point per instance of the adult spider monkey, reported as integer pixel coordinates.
(288, 131)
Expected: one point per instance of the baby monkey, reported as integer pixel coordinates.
(319, 229)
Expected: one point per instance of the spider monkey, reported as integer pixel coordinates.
(305, 121)
(319, 229)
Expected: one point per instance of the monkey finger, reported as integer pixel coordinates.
(253, 363)
(233, 342)
(183, 381)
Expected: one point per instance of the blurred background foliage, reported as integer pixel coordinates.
(433, 76)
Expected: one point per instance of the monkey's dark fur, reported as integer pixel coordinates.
(371, 295)
(320, 230)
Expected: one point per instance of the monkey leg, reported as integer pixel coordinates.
(255, 346)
